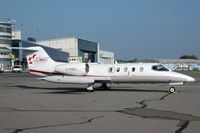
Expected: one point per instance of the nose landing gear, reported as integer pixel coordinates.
(172, 89)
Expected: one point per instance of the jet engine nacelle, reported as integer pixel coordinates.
(68, 79)
(71, 69)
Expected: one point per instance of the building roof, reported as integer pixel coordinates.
(6, 23)
(65, 38)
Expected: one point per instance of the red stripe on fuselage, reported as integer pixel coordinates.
(46, 73)
(56, 73)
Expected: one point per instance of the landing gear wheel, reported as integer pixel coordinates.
(89, 91)
(172, 90)
(90, 88)
(104, 86)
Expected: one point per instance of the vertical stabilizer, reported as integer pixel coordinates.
(39, 62)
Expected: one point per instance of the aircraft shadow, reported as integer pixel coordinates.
(58, 90)
(78, 90)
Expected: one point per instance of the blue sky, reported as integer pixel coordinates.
(130, 28)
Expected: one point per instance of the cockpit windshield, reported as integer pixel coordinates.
(159, 68)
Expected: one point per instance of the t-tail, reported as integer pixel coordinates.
(39, 62)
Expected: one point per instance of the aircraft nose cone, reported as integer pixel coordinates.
(181, 77)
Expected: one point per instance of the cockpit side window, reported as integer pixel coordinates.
(159, 68)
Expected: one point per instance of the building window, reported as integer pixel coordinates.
(133, 69)
(4, 29)
(1, 29)
(9, 30)
(3, 41)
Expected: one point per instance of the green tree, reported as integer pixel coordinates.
(189, 57)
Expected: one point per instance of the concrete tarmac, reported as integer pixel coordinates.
(28, 105)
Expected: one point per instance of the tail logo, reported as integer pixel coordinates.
(30, 60)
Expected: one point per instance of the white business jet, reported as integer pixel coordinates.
(40, 63)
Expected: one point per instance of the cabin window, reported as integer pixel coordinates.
(111, 69)
(141, 69)
(118, 69)
(133, 69)
(125, 69)
(159, 68)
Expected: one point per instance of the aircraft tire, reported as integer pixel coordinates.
(172, 90)
(104, 86)
(90, 91)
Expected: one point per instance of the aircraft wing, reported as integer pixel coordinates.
(68, 79)
(74, 79)
(100, 79)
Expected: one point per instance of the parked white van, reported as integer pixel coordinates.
(17, 68)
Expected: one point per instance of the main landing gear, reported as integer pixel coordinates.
(104, 86)
(90, 88)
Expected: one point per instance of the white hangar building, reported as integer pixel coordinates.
(80, 50)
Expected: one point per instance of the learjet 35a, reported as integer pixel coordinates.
(40, 63)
